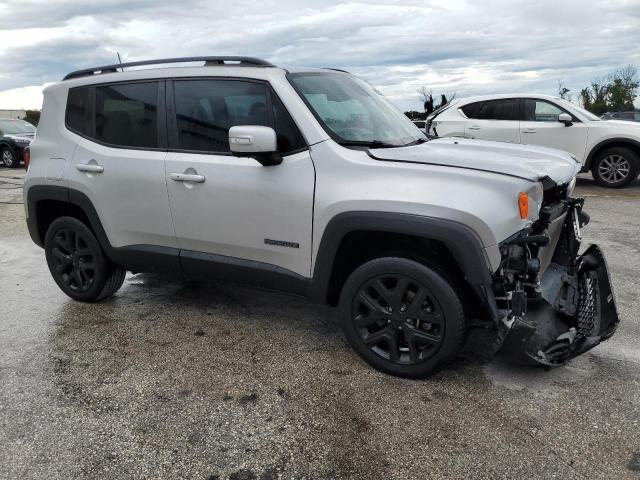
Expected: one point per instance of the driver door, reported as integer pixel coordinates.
(230, 206)
(540, 126)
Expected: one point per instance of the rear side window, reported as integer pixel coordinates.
(207, 109)
(78, 110)
(126, 115)
(504, 109)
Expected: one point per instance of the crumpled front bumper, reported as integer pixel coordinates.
(570, 307)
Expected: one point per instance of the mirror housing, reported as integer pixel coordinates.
(566, 119)
(255, 141)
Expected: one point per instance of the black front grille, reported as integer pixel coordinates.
(587, 307)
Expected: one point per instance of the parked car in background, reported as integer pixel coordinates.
(629, 116)
(609, 149)
(15, 136)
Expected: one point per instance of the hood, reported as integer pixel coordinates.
(618, 124)
(524, 161)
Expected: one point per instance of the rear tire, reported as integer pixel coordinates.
(8, 158)
(402, 317)
(615, 167)
(78, 264)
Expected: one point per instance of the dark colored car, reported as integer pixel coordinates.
(629, 116)
(15, 136)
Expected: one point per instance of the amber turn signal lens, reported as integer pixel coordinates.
(523, 205)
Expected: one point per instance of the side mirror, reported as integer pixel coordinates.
(255, 141)
(566, 119)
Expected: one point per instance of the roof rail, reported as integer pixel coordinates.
(209, 61)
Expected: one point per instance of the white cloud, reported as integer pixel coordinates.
(449, 46)
(22, 98)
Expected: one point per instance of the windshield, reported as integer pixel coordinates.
(585, 113)
(353, 113)
(9, 127)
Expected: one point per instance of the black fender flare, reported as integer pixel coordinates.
(604, 143)
(463, 243)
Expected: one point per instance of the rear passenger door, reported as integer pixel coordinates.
(237, 208)
(119, 160)
(493, 120)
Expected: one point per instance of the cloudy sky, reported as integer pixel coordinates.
(468, 47)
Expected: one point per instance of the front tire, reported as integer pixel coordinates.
(78, 264)
(615, 167)
(402, 317)
(8, 158)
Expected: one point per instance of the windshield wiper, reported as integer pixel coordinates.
(416, 142)
(368, 143)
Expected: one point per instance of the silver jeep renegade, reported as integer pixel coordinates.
(310, 182)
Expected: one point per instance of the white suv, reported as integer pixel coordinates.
(610, 149)
(312, 183)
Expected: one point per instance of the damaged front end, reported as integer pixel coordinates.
(554, 304)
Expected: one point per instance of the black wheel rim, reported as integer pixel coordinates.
(73, 260)
(398, 318)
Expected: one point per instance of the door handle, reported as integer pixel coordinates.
(474, 127)
(90, 168)
(528, 130)
(187, 177)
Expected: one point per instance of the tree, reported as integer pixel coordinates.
(563, 91)
(444, 101)
(594, 98)
(612, 93)
(33, 117)
(427, 98)
(415, 115)
(623, 85)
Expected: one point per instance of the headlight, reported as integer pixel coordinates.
(20, 140)
(536, 195)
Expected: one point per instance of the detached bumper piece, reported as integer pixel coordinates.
(556, 305)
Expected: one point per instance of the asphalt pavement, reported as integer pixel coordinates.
(177, 378)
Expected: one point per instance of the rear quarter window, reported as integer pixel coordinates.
(77, 117)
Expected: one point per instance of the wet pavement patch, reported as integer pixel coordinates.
(129, 388)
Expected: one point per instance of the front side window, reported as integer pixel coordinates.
(540, 111)
(503, 109)
(353, 112)
(126, 115)
(207, 109)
